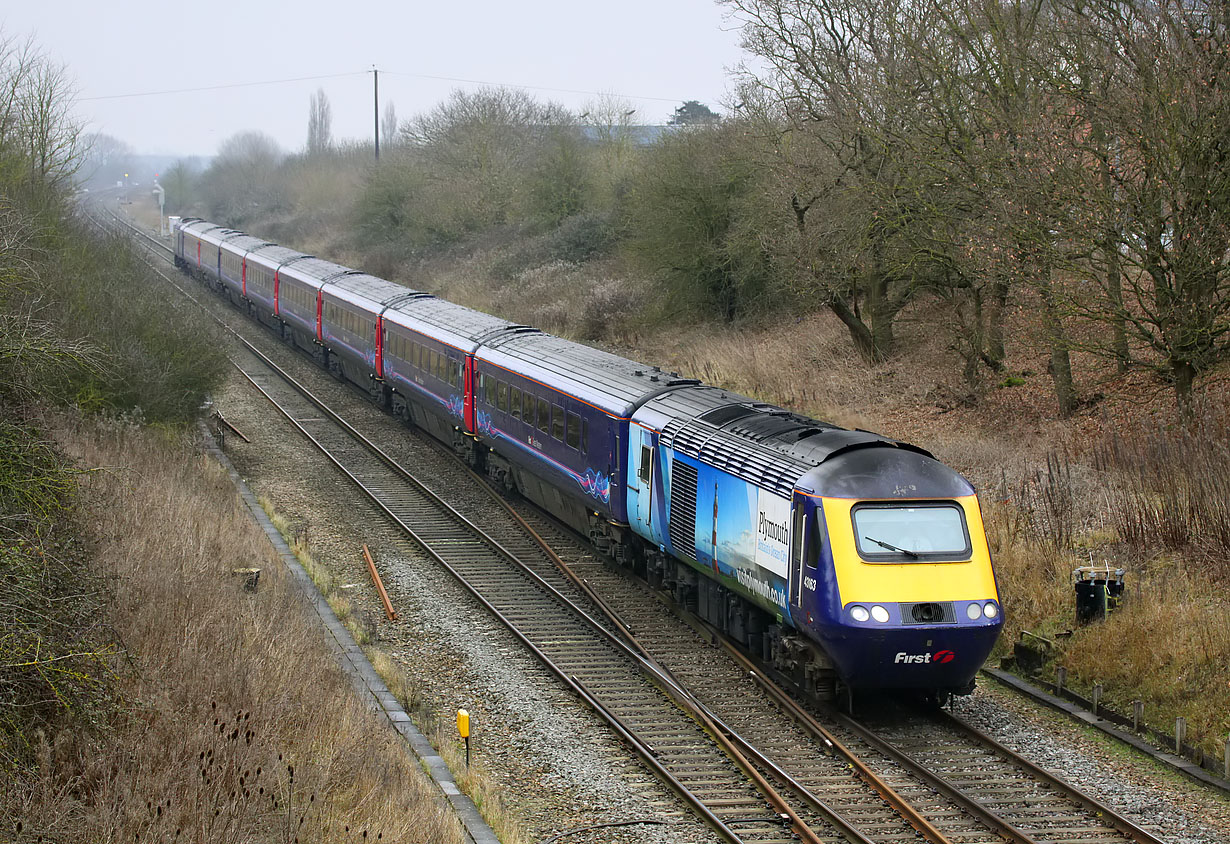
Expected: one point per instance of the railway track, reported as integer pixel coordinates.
(709, 724)
(655, 716)
(971, 788)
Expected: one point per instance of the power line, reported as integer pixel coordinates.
(221, 87)
(458, 79)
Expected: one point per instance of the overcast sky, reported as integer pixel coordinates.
(656, 53)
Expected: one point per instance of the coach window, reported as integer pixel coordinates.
(797, 533)
(585, 436)
(489, 388)
(814, 539)
(557, 422)
(514, 402)
(501, 396)
(544, 416)
(574, 431)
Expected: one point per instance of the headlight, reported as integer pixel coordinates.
(991, 610)
(973, 611)
(859, 613)
(879, 613)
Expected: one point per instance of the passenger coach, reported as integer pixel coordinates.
(847, 559)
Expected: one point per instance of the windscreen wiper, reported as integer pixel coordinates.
(890, 547)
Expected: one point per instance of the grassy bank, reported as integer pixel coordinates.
(230, 720)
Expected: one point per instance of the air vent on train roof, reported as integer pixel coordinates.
(725, 414)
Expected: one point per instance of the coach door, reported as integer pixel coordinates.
(469, 384)
(797, 534)
(642, 460)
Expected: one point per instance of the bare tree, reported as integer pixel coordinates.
(320, 124)
(388, 127)
(1151, 112)
(608, 121)
(36, 122)
(180, 182)
(839, 79)
(241, 180)
(106, 158)
(905, 138)
(52, 134)
(479, 147)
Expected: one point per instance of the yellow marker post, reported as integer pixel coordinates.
(463, 729)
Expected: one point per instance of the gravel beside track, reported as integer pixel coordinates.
(1134, 785)
(556, 765)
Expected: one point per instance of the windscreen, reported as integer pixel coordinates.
(905, 533)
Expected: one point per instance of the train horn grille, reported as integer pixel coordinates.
(928, 613)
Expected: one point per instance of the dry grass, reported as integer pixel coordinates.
(477, 779)
(1167, 646)
(237, 724)
(1154, 504)
(582, 302)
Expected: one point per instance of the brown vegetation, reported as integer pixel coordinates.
(218, 732)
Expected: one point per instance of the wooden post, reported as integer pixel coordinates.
(1138, 714)
(1180, 734)
(1061, 677)
(1097, 697)
(384, 596)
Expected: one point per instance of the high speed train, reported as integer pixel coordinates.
(846, 559)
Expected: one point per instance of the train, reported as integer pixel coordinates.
(847, 560)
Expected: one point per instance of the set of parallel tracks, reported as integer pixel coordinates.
(722, 745)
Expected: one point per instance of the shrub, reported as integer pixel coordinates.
(582, 237)
(157, 356)
(688, 222)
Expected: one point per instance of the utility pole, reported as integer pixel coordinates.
(376, 108)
